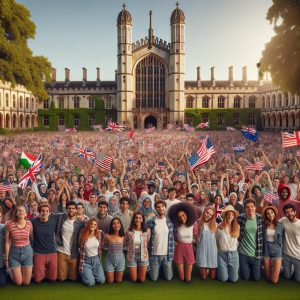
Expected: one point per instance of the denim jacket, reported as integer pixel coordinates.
(279, 234)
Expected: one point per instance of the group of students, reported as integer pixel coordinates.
(60, 246)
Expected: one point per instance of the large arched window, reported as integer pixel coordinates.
(205, 102)
(237, 102)
(150, 82)
(189, 102)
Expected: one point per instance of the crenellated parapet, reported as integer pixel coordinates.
(157, 42)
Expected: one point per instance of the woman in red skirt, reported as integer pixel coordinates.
(184, 218)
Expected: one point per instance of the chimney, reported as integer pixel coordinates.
(198, 77)
(53, 74)
(212, 76)
(230, 75)
(245, 80)
(84, 74)
(98, 74)
(67, 74)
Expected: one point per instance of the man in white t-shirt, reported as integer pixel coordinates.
(291, 243)
(172, 197)
(161, 244)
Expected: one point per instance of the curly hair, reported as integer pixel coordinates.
(185, 207)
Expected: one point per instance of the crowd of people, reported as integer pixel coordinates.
(149, 211)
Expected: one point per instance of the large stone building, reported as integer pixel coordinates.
(149, 88)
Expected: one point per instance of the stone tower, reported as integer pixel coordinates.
(124, 72)
(176, 66)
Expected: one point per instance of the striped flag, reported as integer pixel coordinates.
(250, 133)
(203, 155)
(258, 166)
(269, 197)
(105, 163)
(5, 187)
(203, 125)
(27, 159)
(86, 154)
(239, 148)
(290, 139)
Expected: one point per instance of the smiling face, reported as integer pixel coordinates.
(270, 214)
(21, 212)
(290, 213)
(229, 216)
(138, 220)
(284, 194)
(182, 217)
(209, 213)
(116, 225)
(160, 209)
(93, 225)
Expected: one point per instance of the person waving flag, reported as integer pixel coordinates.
(250, 133)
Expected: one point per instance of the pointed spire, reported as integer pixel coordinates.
(150, 32)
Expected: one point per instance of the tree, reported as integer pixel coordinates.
(18, 65)
(281, 56)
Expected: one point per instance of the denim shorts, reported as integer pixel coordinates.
(137, 260)
(272, 251)
(115, 262)
(20, 257)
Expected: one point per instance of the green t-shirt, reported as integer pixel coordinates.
(248, 245)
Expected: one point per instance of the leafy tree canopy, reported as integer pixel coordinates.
(281, 56)
(18, 65)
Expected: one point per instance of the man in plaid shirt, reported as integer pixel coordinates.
(161, 245)
(250, 241)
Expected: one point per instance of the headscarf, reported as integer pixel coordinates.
(143, 209)
(112, 207)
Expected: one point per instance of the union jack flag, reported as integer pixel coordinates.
(219, 211)
(290, 139)
(86, 154)
(114, 126)
(203, 125)
(258, 166)
(32, 173)
(5, 187)
(105, 163)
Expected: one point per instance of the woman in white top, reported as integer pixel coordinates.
(227, 235)
(184, 217)
(91, 244)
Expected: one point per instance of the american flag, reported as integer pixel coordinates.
(150, 129)
(188, 127)
(258, 166)
(5, 187)
(70, 130)
(86, 154)
(290, 139)
(269, 197)
(33, 171)
(203, 155)
(203, 125)
(114, 126)
(105, 163)
(239, 148)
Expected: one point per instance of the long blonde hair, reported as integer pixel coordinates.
(212, 224)
(234, 227)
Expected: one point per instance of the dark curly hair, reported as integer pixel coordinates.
(185, 207)
(111, 230)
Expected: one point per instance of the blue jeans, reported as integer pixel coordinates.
(291, 266)
(228, 266)
(92, 271)
(249, 267)
(115, 262)
(3, 276)
(20, 256)
(156, 261)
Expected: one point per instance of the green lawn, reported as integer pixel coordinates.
(285, 290)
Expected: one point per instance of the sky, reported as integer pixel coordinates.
(220, 33)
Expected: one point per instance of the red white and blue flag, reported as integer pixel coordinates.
(188, 127)
(113, 126)
(239, 148)
(270, 197)
(86, 154)
(105, 163)
(203, 125)
(258, 166)
(5, 187)
(250, 133)
(203, 155)
(290, 139)
(33, 171)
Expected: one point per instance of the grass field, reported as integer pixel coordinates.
(197, 289)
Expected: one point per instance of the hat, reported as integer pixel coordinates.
(274, 208)
(229, 208)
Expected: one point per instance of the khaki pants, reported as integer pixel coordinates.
(67, 267)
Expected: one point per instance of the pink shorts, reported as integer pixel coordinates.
(184, 253)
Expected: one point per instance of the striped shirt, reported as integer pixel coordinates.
(19, 237)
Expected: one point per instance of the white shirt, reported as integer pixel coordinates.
(171, 202)
(185, 234)
(92, 245)
(67, 232)
(270, 235)
(161, 239)
(291, 242)
(137, 238)
(226, 241)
